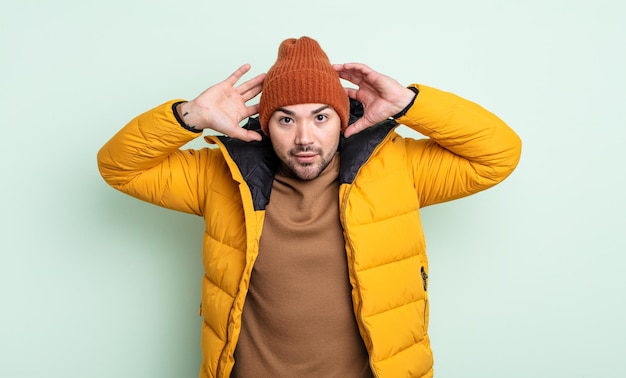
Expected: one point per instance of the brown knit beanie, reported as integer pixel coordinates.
(302, 74)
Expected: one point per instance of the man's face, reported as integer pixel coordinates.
(305, 137)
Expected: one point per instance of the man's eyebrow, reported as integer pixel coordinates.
(288, 112)
(314, 111)
(320, 109)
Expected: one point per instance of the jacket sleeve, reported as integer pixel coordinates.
(144, 160)
(468, 149)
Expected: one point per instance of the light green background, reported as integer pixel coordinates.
(527, 279)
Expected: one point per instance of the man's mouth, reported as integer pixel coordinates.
(305, 157)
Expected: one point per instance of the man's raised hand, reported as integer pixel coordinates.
(381, 96)
(223, 106)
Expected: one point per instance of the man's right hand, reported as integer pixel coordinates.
(223, 106)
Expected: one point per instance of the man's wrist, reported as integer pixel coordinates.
(406, 108)
(182, 116)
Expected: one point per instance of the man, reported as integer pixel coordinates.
(314, 256)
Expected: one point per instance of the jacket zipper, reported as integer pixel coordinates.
(233, 167)
(359, 314)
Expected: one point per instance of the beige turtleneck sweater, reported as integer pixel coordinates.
(298, 319)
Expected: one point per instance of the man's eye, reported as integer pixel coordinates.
(286, 120)
(321, 117)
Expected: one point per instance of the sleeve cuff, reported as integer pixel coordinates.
(406, 109)
(180, 120)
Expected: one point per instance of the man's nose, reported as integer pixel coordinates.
(304, 133)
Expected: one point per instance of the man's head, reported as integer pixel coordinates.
(302, 74)
(303, 107)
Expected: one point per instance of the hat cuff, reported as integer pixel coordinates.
(303, 86)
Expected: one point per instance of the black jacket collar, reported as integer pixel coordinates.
(257, 161)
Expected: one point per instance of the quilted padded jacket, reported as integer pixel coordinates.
(384, 180)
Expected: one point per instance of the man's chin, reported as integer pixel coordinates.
(306, 172)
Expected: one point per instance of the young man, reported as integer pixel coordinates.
(315, 261)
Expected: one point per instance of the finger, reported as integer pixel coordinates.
(254, 82)
(351, 66)
(360, 94)
(251, 136)
(235, 76)
(348, 75)
(355, 128)
(252, 93)
(355, 77)
(339, 68)
(351, 92)
(252, 110)
(357, 67)
(251, 88)
(244, 134)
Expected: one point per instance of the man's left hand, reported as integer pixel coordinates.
(381, 96)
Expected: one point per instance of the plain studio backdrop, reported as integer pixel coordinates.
(527, 278)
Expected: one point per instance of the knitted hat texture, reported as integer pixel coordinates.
(302, 74)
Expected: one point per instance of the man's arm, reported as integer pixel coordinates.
(469, 148)
(143, 159)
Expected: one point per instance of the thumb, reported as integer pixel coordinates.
(248, 135)
(245, 135)
(354, 128)
(351, 92)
